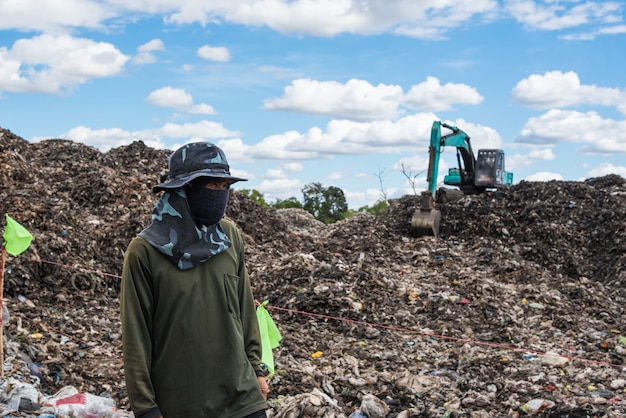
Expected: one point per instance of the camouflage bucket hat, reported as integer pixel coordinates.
(191, 161)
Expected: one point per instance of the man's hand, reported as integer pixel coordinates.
(264, 386)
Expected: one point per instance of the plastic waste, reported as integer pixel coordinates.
(373, 407)
(530, 356)
(70, 402)
(15, 393)
(5, 314)
(536, 405)
(34, 368)
(618, 384)
(554, 359)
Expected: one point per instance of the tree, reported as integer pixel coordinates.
(255, 196)
(325, 204)
(292, 202)
(377, 208)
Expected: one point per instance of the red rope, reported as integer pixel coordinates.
(389, 327)
(457, 339)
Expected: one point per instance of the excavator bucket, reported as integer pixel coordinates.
(426, 219)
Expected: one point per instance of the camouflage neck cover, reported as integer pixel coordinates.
(174, 233)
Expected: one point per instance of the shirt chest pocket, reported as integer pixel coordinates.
(231, 283)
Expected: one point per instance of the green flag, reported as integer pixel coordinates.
(270, 335)
(16, 237)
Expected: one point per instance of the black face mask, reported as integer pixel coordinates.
(207, 205)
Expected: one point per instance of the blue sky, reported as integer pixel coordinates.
(340, 92)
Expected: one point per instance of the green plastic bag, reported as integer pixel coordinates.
(16, 238)
(270, 335)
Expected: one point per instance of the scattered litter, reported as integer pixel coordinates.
(527, 274)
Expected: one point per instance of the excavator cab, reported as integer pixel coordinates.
(490, 169)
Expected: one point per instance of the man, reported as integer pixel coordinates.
(190, 335)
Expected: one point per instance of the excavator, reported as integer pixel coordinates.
(474, 175)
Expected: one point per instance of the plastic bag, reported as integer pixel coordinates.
(70, 403)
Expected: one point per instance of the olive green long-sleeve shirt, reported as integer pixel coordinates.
(190, 338)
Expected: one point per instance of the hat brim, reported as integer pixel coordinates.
(182, 181)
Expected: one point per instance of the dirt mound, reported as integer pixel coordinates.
(518, 309)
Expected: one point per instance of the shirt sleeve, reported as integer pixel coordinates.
(136, 308)
(252, 335)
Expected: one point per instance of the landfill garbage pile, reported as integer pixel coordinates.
(519, 309)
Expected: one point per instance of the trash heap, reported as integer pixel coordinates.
(519, 309)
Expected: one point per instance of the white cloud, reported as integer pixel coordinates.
(361, 101)
(415, 171)
(199, 130)
(355, 197)
(432, 96)
(145, 53)
(516, 162)
(279, 72)
(541, 155)
(414, 166)
(613, 30)
(293, 166)
(214, 53)
(480, 136)
(105, 139)
(343, 137)
(583, 36)
(358, 199)
(244, 174)
(428, 20)
(556, 126)
(360, 138)
(331, 17)
(558, 89)
(178, 99)
(605, 169)
(56, 64)
(279, 147)
(273, 147)
(334, 175)
(408, 134)
(275, 173)
(153, 45)
(419, 19)
(54, 16)
(235, 150)
(282, 188)
(355, 100)
(544, 176)
(556, 15)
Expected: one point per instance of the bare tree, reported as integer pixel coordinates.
(411, 177)
(383, 192)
